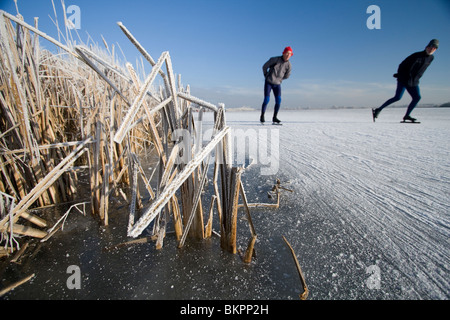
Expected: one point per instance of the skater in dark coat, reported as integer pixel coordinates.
(408, 75)
(275, 70)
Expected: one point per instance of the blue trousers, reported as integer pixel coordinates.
(276, 88)
(414, 92)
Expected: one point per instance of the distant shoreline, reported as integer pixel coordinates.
(423, 106)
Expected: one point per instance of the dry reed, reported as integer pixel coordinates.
(77, 109)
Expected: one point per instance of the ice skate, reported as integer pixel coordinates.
(409, 119)
(276, 121)
(261, 119)
(375, 113)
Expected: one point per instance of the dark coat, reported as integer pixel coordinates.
(412, 68)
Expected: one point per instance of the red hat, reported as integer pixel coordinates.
(288, 49)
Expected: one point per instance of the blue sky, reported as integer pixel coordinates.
(219, 47)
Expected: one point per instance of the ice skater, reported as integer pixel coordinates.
(408, 75)
(275, 70)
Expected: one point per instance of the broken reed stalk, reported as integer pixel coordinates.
(229, 219)
(251, 245)
(154, 209)
(16, 284)
(305, 293)
(275, 189)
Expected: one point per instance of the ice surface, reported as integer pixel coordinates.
(367, 194)
(368, 218)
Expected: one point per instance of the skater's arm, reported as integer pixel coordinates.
(420, 67)
(269, 64)
(406, 73)
(404, 68)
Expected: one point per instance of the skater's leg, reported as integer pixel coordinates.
(398, 95)
(267, 90)
(277, 93)
(264, 105)
(415, 95)
(277, 105)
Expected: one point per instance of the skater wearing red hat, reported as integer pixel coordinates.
(275, 70)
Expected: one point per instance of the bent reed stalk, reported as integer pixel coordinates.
(77, 109)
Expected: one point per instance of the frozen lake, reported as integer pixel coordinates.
(368, 218)
(371, 201)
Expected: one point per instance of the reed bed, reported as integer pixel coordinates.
(76, 110)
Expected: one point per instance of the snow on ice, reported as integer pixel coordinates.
(371, 200)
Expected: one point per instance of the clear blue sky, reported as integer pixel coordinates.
(219, 47)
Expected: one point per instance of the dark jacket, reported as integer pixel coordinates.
(276, 70)
(412, 68)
